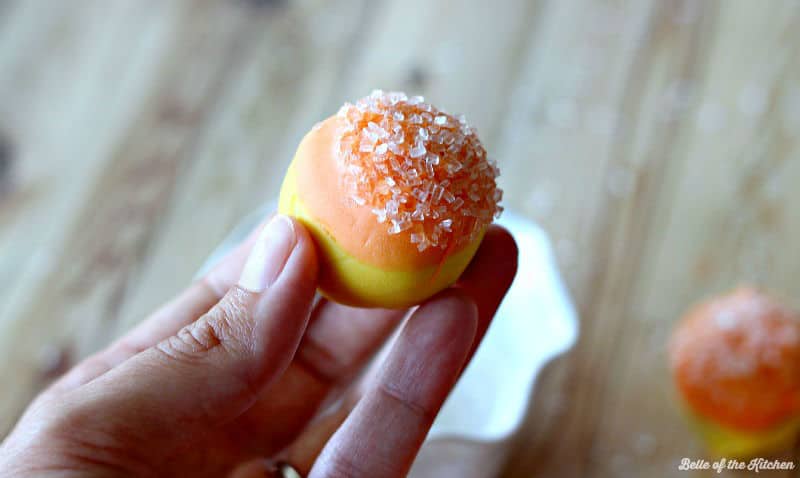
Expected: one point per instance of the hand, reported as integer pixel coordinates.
(231, 373)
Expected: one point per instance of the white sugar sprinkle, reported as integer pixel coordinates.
(417, 151)
(436, 183)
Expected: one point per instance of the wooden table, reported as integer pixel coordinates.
(656, 141)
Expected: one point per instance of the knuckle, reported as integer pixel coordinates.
(392, 394)
(320, 362)
(226, 326)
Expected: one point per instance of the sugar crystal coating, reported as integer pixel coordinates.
(418, 169)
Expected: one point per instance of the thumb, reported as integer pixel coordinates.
(214, 369)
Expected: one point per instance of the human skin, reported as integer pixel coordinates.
(238, 368)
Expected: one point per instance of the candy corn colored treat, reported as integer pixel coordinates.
(736, 365)
(397, 195)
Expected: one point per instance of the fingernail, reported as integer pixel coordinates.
(270, 253)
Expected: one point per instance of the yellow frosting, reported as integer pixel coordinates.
(727, 442)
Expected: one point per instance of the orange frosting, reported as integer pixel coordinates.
(736, 359)
(397, 183)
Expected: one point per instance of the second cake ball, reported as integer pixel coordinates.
(736, 364)
(397, 195)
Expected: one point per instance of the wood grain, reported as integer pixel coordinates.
(656, 141)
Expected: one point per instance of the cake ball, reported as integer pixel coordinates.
(397, 195)
(736, 365)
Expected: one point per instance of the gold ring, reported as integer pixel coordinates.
(282, 469)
